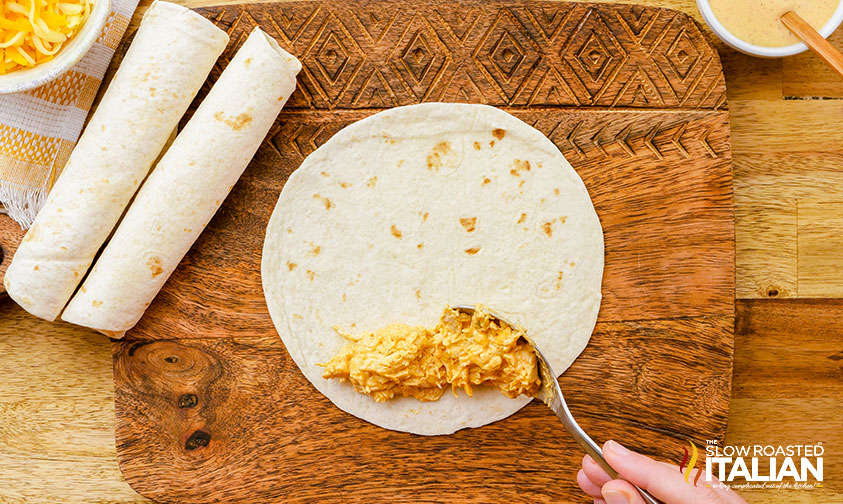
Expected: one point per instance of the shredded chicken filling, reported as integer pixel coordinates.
(463, 350)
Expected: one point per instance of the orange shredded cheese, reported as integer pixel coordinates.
(33, 31)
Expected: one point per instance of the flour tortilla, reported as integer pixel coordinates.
(186, 187)
(367, 232)
(170, 57)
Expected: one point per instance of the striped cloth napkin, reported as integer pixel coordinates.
(39, 127)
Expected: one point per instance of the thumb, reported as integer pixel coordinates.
(662, 480)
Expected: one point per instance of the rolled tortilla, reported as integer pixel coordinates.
(171, 56)
(187, 186)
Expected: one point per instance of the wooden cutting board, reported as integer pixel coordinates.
(209, 405)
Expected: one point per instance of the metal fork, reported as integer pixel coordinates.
(550, 394)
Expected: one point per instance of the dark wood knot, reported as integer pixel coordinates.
(197, 440)
(188, 401)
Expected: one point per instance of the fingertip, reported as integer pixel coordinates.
(616, 449)
(620, 492)
(586, 485)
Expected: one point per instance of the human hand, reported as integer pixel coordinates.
(661, 479)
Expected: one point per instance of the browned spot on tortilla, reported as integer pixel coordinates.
(187, 230)
(492, 143)
(425, 216)
(235, 123)
(521, 184)
(420, 246)
(562, 219)
(154, 264)
(547, 227)
(96, 303)
(434, 159)
(247, 62)
(315, 250)
(469, 223)
(289, 230)
(310, 274)
(343, 297)
(291, 265)
(499, 133)
(522, 218)
(418, 294)
(83, 289)
(345, 185)
(486, 181)
(559, 281)
(556, 191)
(395, 232)
(325, 201)
(76, 274)
(324, 174)
(519, 166)
(36, 268)
(371, 182)
(472, 250)
(297, 316)
(476, 145)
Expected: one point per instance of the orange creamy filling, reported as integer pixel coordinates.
(463, 350)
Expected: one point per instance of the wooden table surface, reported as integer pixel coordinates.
(56, 396)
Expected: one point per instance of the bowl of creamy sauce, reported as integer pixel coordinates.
(754, 26)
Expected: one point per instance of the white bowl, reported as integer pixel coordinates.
(765, 52)
(69, 55)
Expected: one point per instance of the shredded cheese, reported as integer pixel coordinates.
(33, 31)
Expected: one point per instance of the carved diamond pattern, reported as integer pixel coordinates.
(507, 55)
(594, 55)
(682, 55)
(332, 59)
(372, 55)
(417, 57)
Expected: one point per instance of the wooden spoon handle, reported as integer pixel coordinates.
(814, 41)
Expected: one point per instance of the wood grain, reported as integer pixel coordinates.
(784, 169)
(806, 76)
(11, 235)
(191, 409)
(633, 97)
(815, 42)
(788, 356)
(56, 414)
